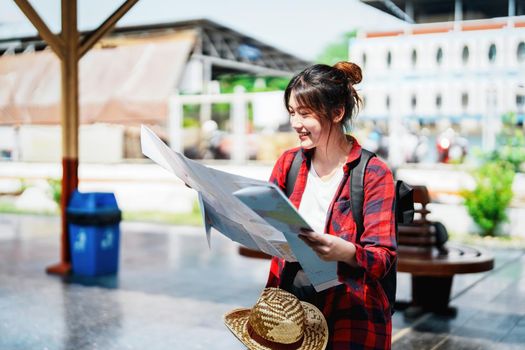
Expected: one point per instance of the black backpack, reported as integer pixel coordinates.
(403, 210)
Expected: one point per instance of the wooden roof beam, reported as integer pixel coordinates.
(53, 40)
(91, 39)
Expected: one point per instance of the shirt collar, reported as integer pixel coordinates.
(355, 152)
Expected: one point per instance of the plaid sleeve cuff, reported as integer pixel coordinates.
(375, 261)
(346, 272)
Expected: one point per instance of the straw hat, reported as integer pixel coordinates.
(279, 321)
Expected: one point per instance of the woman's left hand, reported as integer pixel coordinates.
(329, 247)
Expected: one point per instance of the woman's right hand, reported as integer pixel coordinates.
(329, 247)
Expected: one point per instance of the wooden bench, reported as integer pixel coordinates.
(251, 253)
(433, 266)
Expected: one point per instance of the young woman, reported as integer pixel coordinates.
(321, 100)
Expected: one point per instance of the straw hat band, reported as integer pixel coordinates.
(270, 344)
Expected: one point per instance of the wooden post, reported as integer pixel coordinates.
(54, 41)
(69, 120)
(69, 50)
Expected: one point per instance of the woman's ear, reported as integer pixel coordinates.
(339, 115)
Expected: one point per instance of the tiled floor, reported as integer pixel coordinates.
(171, 292)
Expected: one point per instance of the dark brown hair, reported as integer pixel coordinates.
(325, 90)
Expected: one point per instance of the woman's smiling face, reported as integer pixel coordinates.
(307, 125)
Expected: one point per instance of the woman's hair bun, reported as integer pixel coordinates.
(352, 71)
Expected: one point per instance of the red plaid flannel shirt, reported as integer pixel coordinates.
(357, 311)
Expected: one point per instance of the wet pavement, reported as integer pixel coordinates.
(171, 292)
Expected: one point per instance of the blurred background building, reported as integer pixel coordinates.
(453, 68)
(439, 78)
(127, 80)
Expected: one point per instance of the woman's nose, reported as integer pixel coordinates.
(295, 122)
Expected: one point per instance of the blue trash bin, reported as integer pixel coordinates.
(94, 233)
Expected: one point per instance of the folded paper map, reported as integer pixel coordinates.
(251, 212)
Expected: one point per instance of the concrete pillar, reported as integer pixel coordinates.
(409, 9)
(238, 119)
(488, 126)
(395, 144)
(458, 10)
(175, 129)
(205, 109)
(512, 8)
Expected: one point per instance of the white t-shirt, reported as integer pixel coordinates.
(317, 197)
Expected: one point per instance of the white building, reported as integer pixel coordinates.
(453, 59)
(455, 70)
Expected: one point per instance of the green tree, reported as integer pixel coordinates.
(228, 82)
(337, 50)
(510, 143)
(488, 201)
(56, 189)
(191, 116)
(252, 83)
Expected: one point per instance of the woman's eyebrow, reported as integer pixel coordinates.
(303, 109)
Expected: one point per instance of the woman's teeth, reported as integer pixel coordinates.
(304, 133)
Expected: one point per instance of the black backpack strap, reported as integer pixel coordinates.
(291, 177)
(357, 188)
